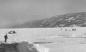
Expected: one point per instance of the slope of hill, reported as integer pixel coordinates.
(67, 20)
(17, 47)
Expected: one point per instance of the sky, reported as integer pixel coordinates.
(21, 11)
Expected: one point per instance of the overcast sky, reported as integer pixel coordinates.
(20, 11)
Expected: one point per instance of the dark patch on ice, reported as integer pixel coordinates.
(18, 47)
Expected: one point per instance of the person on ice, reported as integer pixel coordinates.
(6, 37)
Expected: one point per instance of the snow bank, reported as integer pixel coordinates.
(41, 48)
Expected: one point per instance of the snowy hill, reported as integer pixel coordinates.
(67, 20)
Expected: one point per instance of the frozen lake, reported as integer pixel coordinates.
(63, 39)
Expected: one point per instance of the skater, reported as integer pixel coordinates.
(5, 37)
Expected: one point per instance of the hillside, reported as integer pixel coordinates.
(67, 20)
(18, 47)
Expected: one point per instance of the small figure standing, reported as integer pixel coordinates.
(6, 37)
